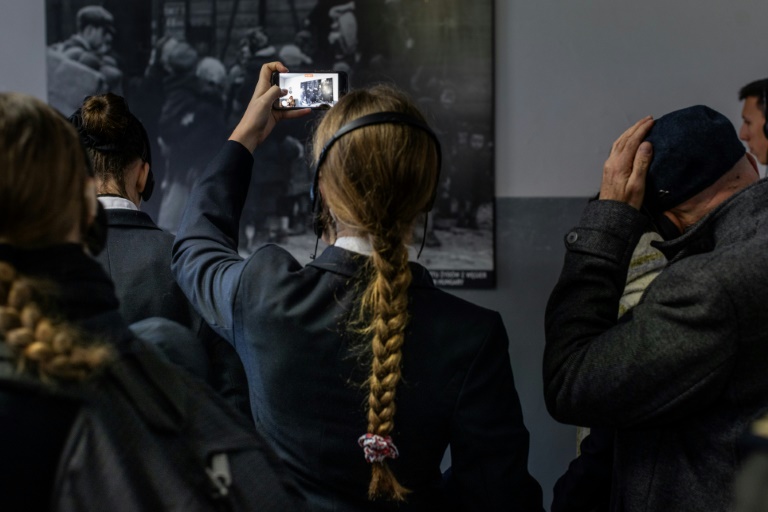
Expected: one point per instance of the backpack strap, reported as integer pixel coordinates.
(152, 385)
(161, 403)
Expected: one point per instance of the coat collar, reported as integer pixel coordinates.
(109, 202)
(737, 218)
(347, 263)
(133, 218)
(83, 290)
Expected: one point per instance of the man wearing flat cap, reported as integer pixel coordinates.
(91, 45)
(683, 374)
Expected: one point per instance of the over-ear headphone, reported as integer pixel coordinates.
(360, 122)
(149, 185)
(765, 111)
(93, 142)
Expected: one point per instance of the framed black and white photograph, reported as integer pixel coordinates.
(188, 68)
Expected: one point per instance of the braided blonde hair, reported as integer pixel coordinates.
(377, 180)
(42, 181)
(53, 350)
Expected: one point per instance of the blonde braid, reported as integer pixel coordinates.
(376, 181)
(54, 350)
(386, 303)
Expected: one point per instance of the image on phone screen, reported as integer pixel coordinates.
(318, 90)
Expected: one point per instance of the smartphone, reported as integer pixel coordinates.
(318, 90)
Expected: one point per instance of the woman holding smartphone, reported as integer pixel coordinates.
(361, 372)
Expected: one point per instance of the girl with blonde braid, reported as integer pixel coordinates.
(47, 202)
(361, 372)
(78, 390)
(46, 199)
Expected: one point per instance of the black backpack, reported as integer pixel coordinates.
(149, 437)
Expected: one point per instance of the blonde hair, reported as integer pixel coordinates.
(42, 173)
(377, 180)
(42, 345)
(42, 185)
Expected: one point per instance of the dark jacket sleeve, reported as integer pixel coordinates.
(205, 259)
(489, 442)
(663, 360)
(175, 343)
(226, 374)
(586, 486)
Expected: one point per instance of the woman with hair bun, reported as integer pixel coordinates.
(79, 393)
(361, 372)
(137, 255)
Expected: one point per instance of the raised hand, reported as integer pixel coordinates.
(260, 118)
(625, 170)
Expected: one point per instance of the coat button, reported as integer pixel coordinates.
(572, 237)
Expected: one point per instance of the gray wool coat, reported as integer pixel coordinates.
(682, 376)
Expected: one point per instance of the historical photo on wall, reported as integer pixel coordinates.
(188, 68)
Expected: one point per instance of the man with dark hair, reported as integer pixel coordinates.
(681, 375)
(91, 46)
(754, 130)
(92, 43)
(95, 27)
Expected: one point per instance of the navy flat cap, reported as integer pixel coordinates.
(692, 149)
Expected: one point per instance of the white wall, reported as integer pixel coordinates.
(22, 47)
(571, 76)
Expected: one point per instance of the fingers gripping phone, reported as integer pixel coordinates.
(318, 90)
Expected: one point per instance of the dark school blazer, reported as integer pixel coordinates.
(306, 370)
(137, 258)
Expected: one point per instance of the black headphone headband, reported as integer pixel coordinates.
(368, 120)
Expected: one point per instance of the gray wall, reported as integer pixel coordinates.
(22, 47)
(570, 77)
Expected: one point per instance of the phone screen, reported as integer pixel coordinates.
(318, 90)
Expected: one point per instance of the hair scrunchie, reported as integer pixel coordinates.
(377, 448)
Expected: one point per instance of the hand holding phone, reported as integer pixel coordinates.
(259, 117)
(318, 90)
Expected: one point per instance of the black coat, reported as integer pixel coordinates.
(287, 323)
(34, 425)
(586, 486)
(682, 375)
(137, 258)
